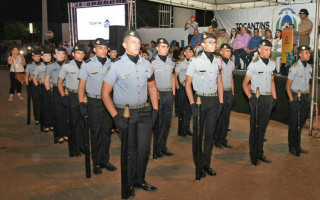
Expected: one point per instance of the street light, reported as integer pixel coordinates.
(31, 32)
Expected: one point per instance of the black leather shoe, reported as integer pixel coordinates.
(218, 145)
(229, 129)
(292, 150)
(159, 155)
(226, 145)
(189, 133)
(109, 167)
(263, 158)
(209, 171)
(78, 153)
(203, 173)
(97, 170)
(166, 153)
(145, 186)
(303, 151)
(265, 139)
(130, 193)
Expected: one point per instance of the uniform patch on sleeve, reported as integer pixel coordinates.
(88, 60)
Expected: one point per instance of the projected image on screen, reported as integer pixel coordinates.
(94, 22)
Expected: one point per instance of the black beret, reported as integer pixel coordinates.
(189, 48)
(162, 40)
(207, 36)
(302, 48)
(60, 49)
(78, 48)
(100, 41)
(144, 51)
(132, 33)
(36, 52)
(225, 46)
(46, 51)
(265, 43)
(304, 11)
(222, 30)
(112, 48)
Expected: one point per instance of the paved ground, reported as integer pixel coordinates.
(32, 167)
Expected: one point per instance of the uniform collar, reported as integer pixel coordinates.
(126, 58)
(95, 59)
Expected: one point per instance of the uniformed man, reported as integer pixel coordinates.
(51, 78)
(203, 72)
(260, 73)
(298, 79)
(70, 73)
(44, 99)
(304, 28)
(113, 54)
(226, 68)
(131, 78)
(184, 107)
(223, 39)
(36, 56)
(100, 123)
(163, 68)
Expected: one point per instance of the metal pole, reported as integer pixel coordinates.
(315, 65)
(130, 15)
(44, 20)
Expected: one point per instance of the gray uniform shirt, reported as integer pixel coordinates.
(300, 76)
(163, 72)
(40, 71)
(204, 73)
(261, 74)
(191, 29)
(181, 68)
(31, 67)
(70, 73)
(53, 71)
(129, 81)
(93, 72)
(226, 73)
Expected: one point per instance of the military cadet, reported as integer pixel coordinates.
(70, 73)
(36, 56)
(226, 68)
(51, 79)
(203, 72)
(163, 68)
(113, 54)
(99, 120)
(131, 78)
(260, 73)
(298, 79)
(184, 107)
(44, 99)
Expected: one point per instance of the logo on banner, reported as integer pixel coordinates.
(285, 17)
(106, 23)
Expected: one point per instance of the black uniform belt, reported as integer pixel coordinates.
(226, 89)
(132, 107)
(74, 91)
(263, 93)
(207, 94)
(300, 92)
(165, 90)
(94, 96)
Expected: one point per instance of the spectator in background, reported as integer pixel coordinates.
(263, 33)
(223, 39)
(240, 45)
(3, 53)
(68, 47)
(191, 26)
(175, 49)
(147, 48)
(16, 62)
(153, 49)
(145, 54)
(249, 33)
(212, 31)
(253, 46)
(292, 27)
(277, 45)
(196, 40)
(233, 35)
(269, 35)
(304, 28)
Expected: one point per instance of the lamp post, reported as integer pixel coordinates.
(31, 32)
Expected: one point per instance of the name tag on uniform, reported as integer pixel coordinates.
(72, 72)
(94, 72)
(126, 75)
(55, 70)
(301, 75)
(202, 70)
(260, 72)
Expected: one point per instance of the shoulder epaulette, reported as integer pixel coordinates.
(219, 57)
(67, 62)
(198, 55)
(178, 62)
(87, 60)
(272, 60)
(295, 64)
(256, 59)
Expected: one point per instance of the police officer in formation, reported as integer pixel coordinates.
(184, 107)
(163, 68)
(260, 73)
(70, 73)
(131, 78)
(44, 99)
(99, 120)
(226, 68)
(203, 72)
(36, 57)
(113, 54)
(298, 80)
(51, 79)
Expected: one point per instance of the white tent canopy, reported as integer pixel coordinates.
(212, 5)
